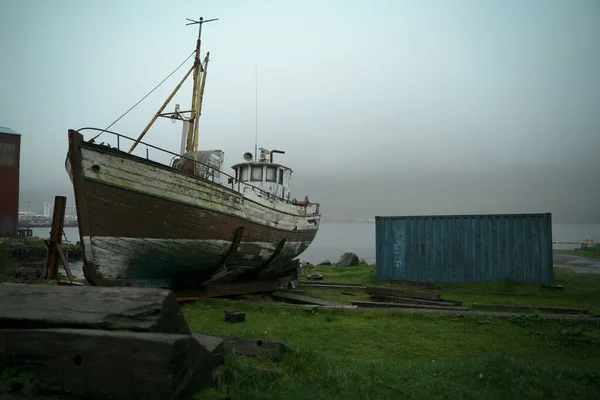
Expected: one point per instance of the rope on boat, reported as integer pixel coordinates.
(149, 93)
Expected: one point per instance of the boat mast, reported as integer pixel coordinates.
(198, 90)
(197, 93)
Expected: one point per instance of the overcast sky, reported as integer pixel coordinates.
(383, 107)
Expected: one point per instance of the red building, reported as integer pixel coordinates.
(10, 154)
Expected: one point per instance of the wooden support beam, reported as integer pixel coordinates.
(56, 233)
(276, 270)
(402, 293)
(265, 266)
(64, 262)
(224, 273)
(235, 243)
(235, 288)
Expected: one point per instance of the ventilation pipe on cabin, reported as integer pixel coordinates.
(274, 151)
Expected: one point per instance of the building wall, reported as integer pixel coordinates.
(465, 248)
(10, 155)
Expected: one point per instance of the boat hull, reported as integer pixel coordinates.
(146, 224)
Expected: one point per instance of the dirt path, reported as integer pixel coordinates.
(576, 264)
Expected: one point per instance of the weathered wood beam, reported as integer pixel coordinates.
(121, 365)
(333, 285)
(277, 270)
(402, 293)
(426, 285)
(557, 310)
(455, 302)
(235, 288)
(510, 294)
(64, 262)
(273, 256)
(90, 307)
(408, 300)
(303, 299)
(253, 347)
(58, 218)
(374, 304)
(223, 275)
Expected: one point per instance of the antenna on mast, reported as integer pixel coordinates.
(256, 110)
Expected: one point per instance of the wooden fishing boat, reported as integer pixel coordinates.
(185, 224)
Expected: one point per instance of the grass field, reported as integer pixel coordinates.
(387, 354)
(587, 254)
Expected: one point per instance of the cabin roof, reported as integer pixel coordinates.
(261, 164)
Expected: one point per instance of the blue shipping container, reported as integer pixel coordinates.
(465, 248)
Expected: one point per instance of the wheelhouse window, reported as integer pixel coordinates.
(272, 174)
(281, 177)
(244, 173)
(257, 173)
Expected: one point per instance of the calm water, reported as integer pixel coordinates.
(334, 239)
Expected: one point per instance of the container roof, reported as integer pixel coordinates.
(4, 129)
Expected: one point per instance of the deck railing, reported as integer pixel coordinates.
(209, 176)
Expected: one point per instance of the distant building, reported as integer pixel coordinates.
(10, 161)
(48, 209)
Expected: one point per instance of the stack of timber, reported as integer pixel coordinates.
(124, 343)
(403, 298)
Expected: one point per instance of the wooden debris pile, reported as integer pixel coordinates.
(120, 342)
(404, 298)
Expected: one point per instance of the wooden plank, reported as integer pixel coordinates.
(498, 314)
(454, 302)
(253, 347)
(100, 364)
(510, 294)
(323, 284)
(374, 304)
(380, 291)
(407, 300)
(303, 299)
(558, 310)
(333, 286)
(279, 269)
(213, 344)
(222, 275)
(90, 307)
(426, 285)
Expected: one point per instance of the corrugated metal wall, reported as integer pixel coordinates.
(10, 154)
(465, 248)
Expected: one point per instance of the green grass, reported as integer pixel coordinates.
(583, 253)
(382, 354)
(389, 354)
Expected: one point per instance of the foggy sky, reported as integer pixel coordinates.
(383, 107)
